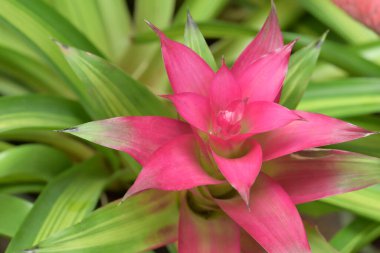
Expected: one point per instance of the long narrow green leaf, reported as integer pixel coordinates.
(32, 73)
(367, 146)
(143, 222)
(356, 235)
(343, 98)
(336, 19)
(64, 202)
(31, 163)
(12, 213)
(113, 92)
(37, 24)
(39, 112)
(11, 88)
(20, 188)
(341, 56)
(364, 202)
(195, 40)
(200, 9)
(144, 62)
(74, 148)
(317, 242)
(106, 23)
(301, 67)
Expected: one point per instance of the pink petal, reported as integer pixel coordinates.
(365, 11)
(194, 108)
(187, 71)
(138, 136)
(206, 234)
(314, 131)
(241, 172)
(263, 116)
(173, 167)
(224, 89)
(273, 220)
(267, 40)
(263, 80)
(314, 174)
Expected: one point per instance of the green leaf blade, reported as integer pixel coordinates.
(142, 222)
(301, 66)
(113, 92)
(65, 201)
(39, 112)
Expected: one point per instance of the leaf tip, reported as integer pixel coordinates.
(64, 48)
(67, 130)
(319, 43)
(190, 21)
(32, 250)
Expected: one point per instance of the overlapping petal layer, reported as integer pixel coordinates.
(314, 174)
(263, 79)
(187, 71)
(267, 40)
(137, 136)
(173, 167)
(241, 172)
(314, 130)
(207, 234)
(194, 108)
(263, 116)
(273, 220)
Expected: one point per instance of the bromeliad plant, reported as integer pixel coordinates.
(240, 159)
(227, 173)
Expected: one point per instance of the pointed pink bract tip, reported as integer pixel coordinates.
(246, 196)
(155, 29)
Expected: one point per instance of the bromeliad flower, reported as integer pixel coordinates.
(233, 130)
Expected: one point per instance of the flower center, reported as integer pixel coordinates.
(227, 122)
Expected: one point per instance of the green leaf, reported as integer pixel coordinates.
(316, 209)
(5, 145)
(39, 112)
(195, 40)
(364, 202)
(11, 88)
(317, 242)
(336, 19)
(37, 24)
(301, 66)
(31, 163)
(12, 213)
(340, 55)
(65, 201)
(141, 222)
(74, 148)
(21, 188)
(201, 10)
(105, 23)
(113, 92)
(34, 74)
(343, 98)
(144, 62)
(367, 146)
(356, 235)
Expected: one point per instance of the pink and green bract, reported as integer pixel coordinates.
(235, 155)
